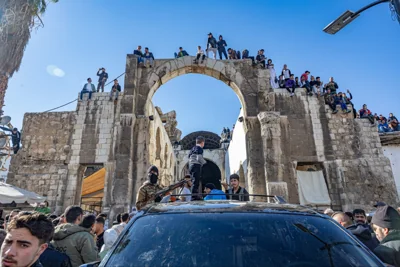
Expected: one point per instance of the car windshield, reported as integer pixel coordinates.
(237, 240)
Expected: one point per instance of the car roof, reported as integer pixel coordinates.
(212, 206)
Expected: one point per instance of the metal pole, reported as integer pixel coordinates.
(369, 6)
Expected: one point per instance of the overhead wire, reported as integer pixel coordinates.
(77, 98)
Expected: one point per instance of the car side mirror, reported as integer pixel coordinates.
(91, 264)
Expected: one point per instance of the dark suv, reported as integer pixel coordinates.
(235, 234)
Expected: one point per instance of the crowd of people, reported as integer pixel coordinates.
(40, 239)
(34, 239)
(286, 80)
(75, 238)
(381, 235)
(72, 239)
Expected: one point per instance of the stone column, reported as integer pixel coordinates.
(141, 140)
(271, 144)
(255, 167)
(119, 186)
(119, 189)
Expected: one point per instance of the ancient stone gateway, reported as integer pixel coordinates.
(282, 134)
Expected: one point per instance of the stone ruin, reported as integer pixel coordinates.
(170, 123)
(281, 133)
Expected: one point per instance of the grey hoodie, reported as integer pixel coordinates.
(196, 156)
(77, 242)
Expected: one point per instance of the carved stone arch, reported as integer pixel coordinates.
(245, 80)
(166, 155)
(158, 143)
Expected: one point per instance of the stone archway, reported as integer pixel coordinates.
(250, 85)
(246, 81)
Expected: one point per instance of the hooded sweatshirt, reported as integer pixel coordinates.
(110, 236)
(220, 195)
(363, 233)
(196, 156)
(77, 242)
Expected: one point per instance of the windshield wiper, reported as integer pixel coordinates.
(327, 246)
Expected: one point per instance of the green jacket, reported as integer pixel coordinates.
(389, 249)
(77, 242)
(44, 210)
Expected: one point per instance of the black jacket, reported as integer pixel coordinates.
(102, 76)
(52, 258)
(221, 45)
(389, 249)
(118, 87)
(315, 82)
(15, 137)
(212, 42)
(363, 233)
(36, 264)
(237, 196)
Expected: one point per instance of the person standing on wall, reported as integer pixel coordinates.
(222, 47)
(103, 76)
(211, 45)
(196, 161)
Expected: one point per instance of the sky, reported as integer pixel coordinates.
(80, 36)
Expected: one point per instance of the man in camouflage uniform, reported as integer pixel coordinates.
(148, 190)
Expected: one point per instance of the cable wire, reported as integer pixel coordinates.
(77, 99)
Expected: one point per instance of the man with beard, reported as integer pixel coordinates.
(147, 192)
(386, 225)
(27, 238)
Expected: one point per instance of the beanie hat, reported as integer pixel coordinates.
(153, 168)
(386, 217)
(210, 186)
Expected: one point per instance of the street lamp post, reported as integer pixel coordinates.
(349, 16)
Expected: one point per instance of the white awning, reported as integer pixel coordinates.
(10, 193)
(312, 188)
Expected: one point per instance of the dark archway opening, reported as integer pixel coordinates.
(211, 174)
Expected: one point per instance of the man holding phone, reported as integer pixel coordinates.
(103, 76)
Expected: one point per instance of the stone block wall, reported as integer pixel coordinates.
(303, 129)
(41, 164)
(58, 146)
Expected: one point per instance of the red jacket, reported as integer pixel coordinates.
(364, 112)
(304, 77)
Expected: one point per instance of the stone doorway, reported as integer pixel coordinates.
(211, 173)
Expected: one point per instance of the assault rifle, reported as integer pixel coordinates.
(163, 192)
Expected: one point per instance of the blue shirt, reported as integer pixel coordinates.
(218, 197)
